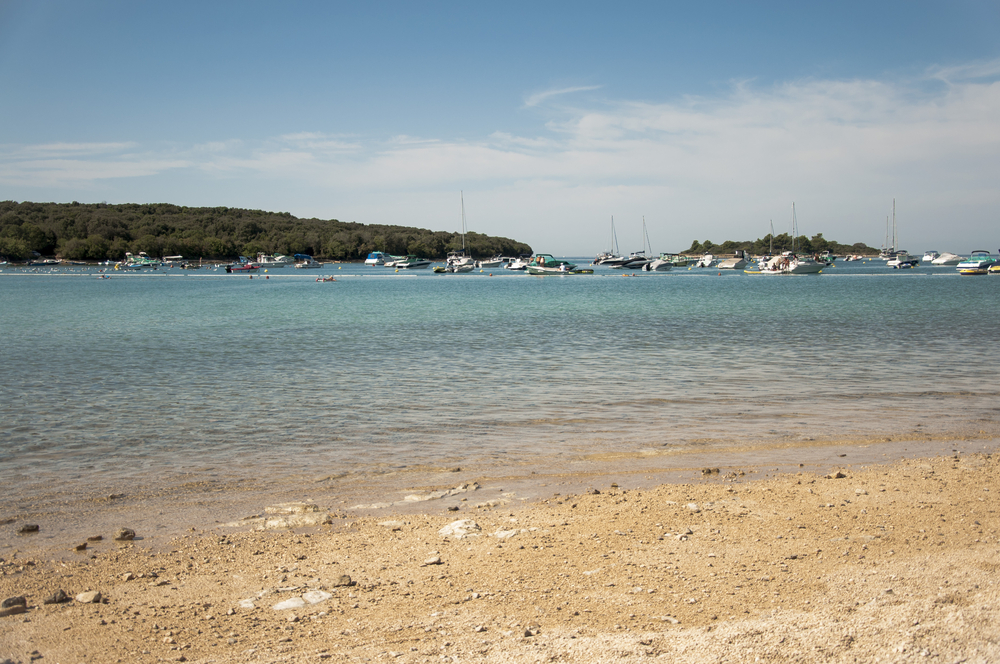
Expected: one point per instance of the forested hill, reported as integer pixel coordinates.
(100, 231)
(815, 244)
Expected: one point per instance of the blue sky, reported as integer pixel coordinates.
(708, 119)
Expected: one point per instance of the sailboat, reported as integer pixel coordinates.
(610, 258)
(899, 259)
(459, 261)
(637, 260)
(788, 262)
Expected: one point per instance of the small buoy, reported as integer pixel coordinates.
(491, 274)
(720, 274)
(339, 268)
(397, 270)
(265, 271)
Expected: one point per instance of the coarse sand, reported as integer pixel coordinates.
(894, 562)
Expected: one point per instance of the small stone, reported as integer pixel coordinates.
(342, 580)
(292, 618)
(392, 525)
(316, 596)
(125, 535)
(247, 604)
(80, 547)
(836, 476)
(453, 508)
(293, 603)
(128, 576)
(433, 560)
(459, 529)
(95, 538)
(28, 528)
(694, 507)
(89, 597)
(592, 492)
(58, 597)
(13, 606)
(671, 620)
(532, 630)
(168, 639)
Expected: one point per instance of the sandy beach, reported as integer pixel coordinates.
(874, 562)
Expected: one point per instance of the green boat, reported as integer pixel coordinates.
(546, 264)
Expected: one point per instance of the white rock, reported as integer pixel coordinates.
(504, 534)
(694, 507)
(459, 529)
(293, 603)
(316, 596)
(247, 604)
(393, 525)
(297, 507)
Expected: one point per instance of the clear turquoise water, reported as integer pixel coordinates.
(172, 377)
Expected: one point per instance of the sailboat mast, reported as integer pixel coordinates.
(895, 237)
(646, 236)
(770, 246)
(795, 227)
(462, 196)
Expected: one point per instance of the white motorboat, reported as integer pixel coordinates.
(269, 261)
(496, 261)
(708, 260)
(929, 256)
(902, 261)
(412, 262)
(738, 262)
(307, 262)
(947, 258)
(376, 258)
(788, 263)
(980, 259)
(661, 264)
(519, 263)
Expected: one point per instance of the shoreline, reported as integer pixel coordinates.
(203, 501)
(881, 561)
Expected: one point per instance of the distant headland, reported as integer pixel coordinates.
(100, 231)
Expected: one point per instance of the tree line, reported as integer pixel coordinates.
(814, 245)
(99, 231)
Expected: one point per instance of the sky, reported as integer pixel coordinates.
(706, 120)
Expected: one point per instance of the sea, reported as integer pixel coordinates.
(178, 397)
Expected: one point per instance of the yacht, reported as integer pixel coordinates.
(788, 263)
(412, 262)
(738, 262)
(929, 256)
(376, 258)
(307, 262)
(269, 261)
(947, 258)
(902, 261)
(980, 259)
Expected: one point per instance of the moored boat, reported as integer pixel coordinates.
(547, 264)
(412, 262)
(980, 259)
(788, 263)
(737, 262)
(306, 262)
(947, 258)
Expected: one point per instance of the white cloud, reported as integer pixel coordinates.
(539, 97)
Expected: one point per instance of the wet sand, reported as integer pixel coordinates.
(895, 560)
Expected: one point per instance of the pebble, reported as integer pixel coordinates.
(459, 529)
(27, 528)
(836, 476)
(89, 597)
(58, 597)
(694, 507)
(433, 560)
(13, 606)
(342, 580)
(293, 603)
(80, 547)
(125, 535)
(392, 525)
(316, 596)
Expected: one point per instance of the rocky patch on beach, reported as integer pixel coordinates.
(891, 563)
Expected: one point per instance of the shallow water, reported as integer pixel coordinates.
(184, 381)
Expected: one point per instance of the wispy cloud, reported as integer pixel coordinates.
(539, 97)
